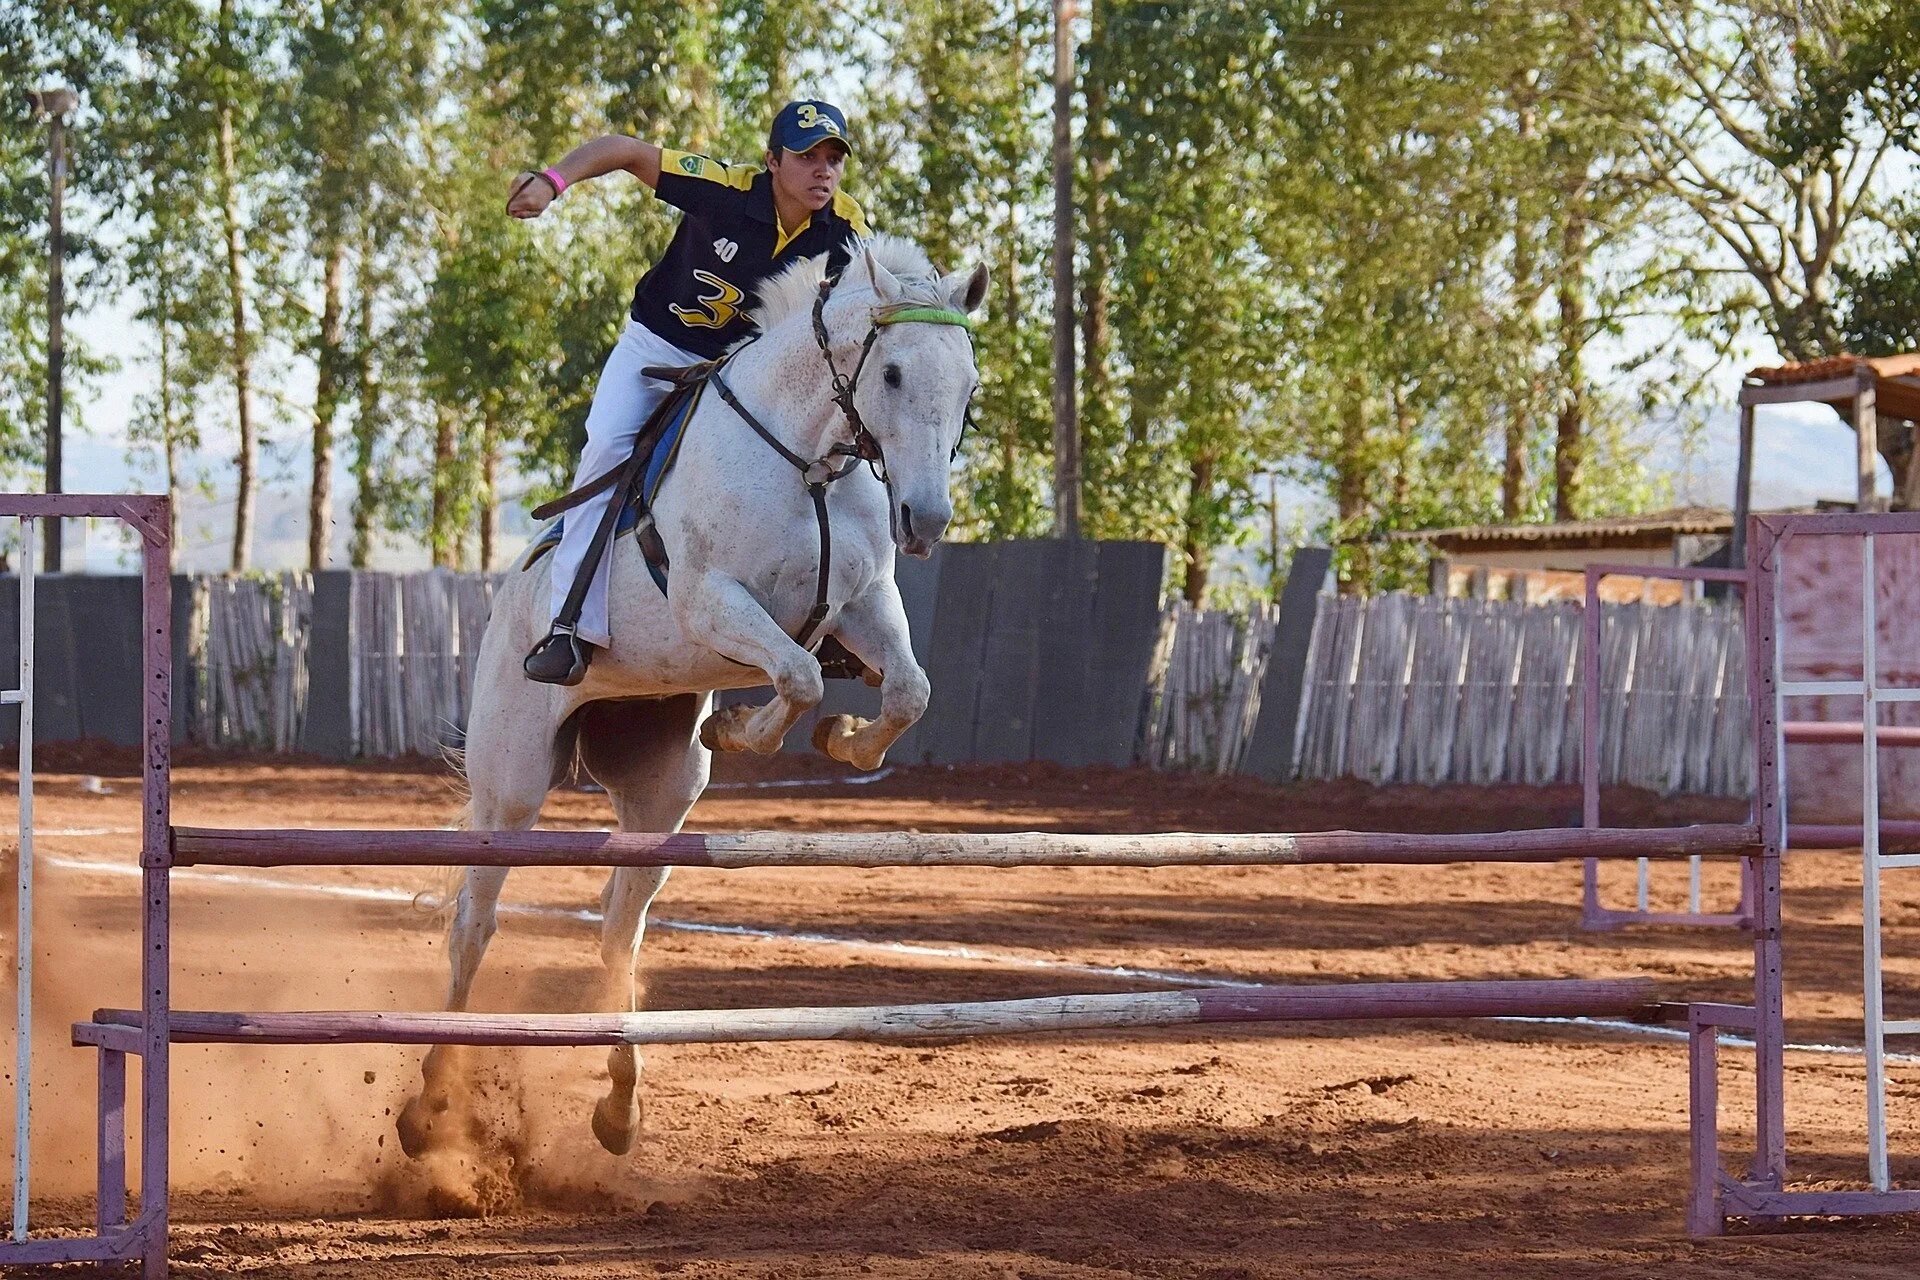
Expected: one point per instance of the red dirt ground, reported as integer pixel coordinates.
(1352, 1150)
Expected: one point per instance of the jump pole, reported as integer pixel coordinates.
(1332, 1002)
(207, 846)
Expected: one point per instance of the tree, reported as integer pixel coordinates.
(1781, 201)
(362, 72)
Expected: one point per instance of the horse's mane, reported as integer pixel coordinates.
(792, 291)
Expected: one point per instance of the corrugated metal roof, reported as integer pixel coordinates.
(1675, 522)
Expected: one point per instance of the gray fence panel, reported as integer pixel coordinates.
(1120, 640)
(186, 672)
(1009, 674)
(1066, 684)
(328, 730)
(1270, 750)
(919, 583)
(106, 672)
(954, 654)
(56, 697)
(86, 658)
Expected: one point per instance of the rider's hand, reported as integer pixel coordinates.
(529, 196)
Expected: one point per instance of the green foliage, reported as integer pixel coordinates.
(1384, 253)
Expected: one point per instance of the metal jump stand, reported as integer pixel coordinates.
(115, 1239)
(1762, 1193)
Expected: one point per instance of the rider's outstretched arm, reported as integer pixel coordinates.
(529, 198)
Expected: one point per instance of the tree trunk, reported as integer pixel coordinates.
(443, 540)
(1195, 548)
(168, 443)
(366, 423)
(246, 461)
(489, 490)
(1097, 412)
(1569, 436)
(328, 386)
(1349, 489)
(1513, 476)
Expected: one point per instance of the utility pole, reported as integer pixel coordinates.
(56, 105)
(1066, 406)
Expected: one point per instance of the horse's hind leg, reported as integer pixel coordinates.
(648, 757)
(508, 775)
(474, 923)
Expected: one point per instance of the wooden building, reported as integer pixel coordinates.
(1547, 561)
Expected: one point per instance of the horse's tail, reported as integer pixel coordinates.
(435, 901)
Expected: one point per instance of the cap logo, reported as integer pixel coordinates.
(809, 117)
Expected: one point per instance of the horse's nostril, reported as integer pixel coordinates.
(906, 519)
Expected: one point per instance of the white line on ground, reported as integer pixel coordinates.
(586, 915)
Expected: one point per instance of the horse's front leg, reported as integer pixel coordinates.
(721, 613)
(873, 626)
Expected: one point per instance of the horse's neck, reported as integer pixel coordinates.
(783, 380)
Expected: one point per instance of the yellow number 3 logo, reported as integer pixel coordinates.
(717, 308)
(810, 118)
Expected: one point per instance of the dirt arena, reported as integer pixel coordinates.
(1353, 1150)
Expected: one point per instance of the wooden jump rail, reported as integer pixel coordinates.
(207, 846)
(1553, 997)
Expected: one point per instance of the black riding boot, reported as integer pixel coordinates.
(561, 658)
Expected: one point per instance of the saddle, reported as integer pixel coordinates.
(636, 482)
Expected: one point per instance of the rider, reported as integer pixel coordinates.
(738, 227)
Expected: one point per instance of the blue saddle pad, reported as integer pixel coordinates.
(659, 463)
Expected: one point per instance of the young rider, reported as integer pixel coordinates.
(738, 226)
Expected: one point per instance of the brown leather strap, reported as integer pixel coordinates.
(568, 501)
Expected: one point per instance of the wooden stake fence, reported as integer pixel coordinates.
(1416, 689)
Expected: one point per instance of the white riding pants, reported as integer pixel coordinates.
(621, 404)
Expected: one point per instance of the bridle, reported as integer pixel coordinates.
(865, 446)
(845, 455)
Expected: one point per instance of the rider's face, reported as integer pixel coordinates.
(809, 177)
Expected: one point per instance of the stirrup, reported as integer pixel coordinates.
(561, 659)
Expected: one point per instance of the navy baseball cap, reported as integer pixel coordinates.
(801, 126)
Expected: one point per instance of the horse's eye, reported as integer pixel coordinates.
(892, 375)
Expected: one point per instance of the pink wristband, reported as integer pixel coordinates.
(553, 176)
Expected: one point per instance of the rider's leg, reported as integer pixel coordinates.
(621, 402)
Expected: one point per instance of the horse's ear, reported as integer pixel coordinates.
(966, 290)
(885, 287)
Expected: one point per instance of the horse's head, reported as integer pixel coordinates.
(907, 334)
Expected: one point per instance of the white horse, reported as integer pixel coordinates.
(743, 546)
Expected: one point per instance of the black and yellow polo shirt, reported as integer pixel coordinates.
(698, 294)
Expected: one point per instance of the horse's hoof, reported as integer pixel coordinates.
(416, 1128)
(616, 1133)
(710, 733)
(829, 728)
